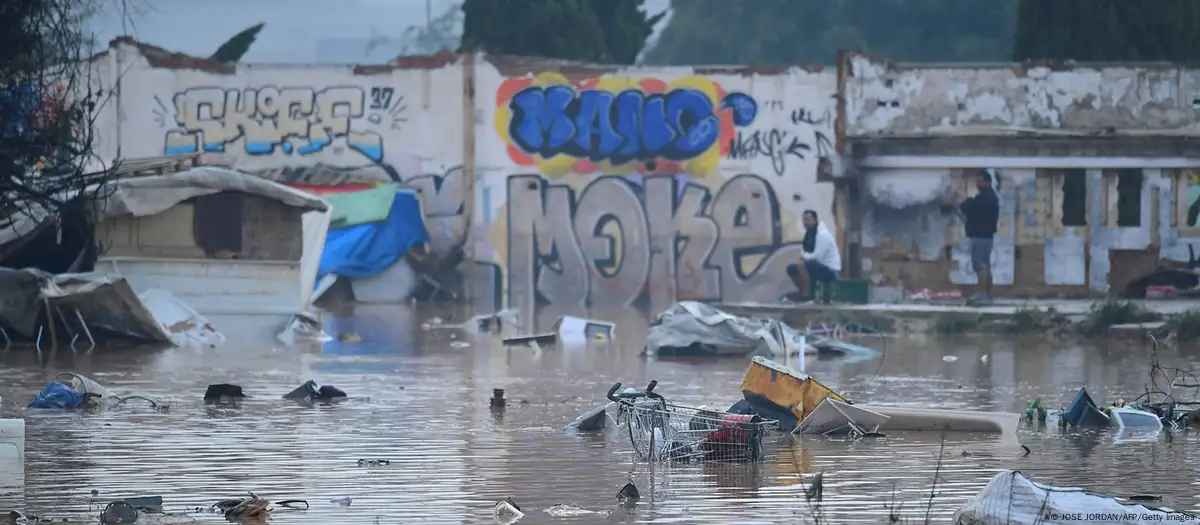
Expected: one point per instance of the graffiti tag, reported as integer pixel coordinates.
(604, 246)
(619, 127)
(775, 144)
(272, 120)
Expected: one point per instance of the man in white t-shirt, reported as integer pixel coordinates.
(822, 262)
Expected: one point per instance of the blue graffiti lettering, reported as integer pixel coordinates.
(743, 106)
(600, 125)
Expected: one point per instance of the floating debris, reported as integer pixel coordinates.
(223, 392)
(569, 511)
(628, 494)
(593, 420)
(507, 512)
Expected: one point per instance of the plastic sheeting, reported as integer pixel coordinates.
(20, 292)
(314, 226)
(368, 249)
(142, 196)
(184, 325)
(1010, 497)
(361, 207)
(105, 304)
(706, 329)
(57, 395)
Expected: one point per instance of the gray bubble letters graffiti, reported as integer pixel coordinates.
(604, 246)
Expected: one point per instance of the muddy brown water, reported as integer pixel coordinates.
(420, 400)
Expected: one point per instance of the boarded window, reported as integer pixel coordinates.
(1129, 198)
(218, 223)
(1074, 202)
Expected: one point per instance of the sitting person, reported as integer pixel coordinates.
(821, 259)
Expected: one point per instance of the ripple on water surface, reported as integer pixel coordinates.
(422, 403)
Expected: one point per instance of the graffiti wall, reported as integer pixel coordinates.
(310, 124)
(569, 186)
(633, 188)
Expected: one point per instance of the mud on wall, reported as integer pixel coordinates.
(636, 187)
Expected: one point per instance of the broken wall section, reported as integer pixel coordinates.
(884, 98)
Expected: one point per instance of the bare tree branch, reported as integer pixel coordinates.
(50, 101)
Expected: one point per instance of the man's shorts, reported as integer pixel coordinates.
(981, 252)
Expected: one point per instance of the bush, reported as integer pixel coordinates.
(1027, 320)
(1186, 325)
(955, 324)
(1108, 313)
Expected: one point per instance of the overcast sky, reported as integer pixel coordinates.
(293, 31)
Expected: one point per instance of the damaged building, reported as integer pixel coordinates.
(1096, 167)
(688, 182)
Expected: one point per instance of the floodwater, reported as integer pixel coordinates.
(420, 400)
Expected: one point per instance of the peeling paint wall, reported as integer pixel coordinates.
(890, 99)
(921, 243)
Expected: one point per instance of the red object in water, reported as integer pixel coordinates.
(733, 439)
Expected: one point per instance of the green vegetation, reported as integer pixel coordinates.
(233, 49)
(956, 324)
(1108, 313)
(1030, 320)
(1185, 325)
(1108, 30)
(606, 31)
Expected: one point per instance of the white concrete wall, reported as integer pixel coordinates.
(695, 180)
(290, 123)
(593, 191)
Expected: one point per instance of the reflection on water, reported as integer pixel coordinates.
(421, 401)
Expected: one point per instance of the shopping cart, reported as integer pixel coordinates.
(661, 431)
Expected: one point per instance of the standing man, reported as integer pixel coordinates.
(821, 259)
(982, 212)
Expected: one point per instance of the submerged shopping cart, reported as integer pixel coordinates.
(661, 431)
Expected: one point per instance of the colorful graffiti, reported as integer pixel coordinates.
(602, 247)
(287, 121)
(443, 200)
(616, 124)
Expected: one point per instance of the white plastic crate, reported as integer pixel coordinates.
(12, 448)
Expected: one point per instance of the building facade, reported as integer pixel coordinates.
(1095, 166)
(585, 186)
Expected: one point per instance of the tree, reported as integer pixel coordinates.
(770, 32)
(233, 49)
(1104, 30)
(443, 33)
(49, 104)
(606, 31)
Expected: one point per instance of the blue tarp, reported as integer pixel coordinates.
(17, 104)
(368, 249)
(57, 395)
